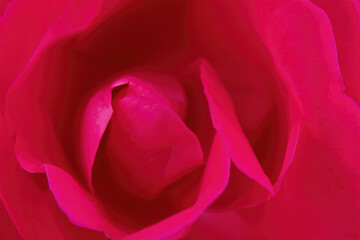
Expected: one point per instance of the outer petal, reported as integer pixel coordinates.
(30, 142)
(32, 121)
(321, 192)
(345, 21)
(21, 31)
(78, 15)
(77, 204)
(225, 35)
(29, 202)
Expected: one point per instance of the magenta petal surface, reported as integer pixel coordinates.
(344, 17)
(21, 31)
(27, 197)
(106, 132)
(229, 225)
(94, 122)
(149, 146)
(8, 229)
(72, 199)
(295, 127)
(226, 123)
(29, 143)
(214, 182)
(80, 207)
(321, 189)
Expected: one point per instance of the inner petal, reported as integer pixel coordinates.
(148, 144)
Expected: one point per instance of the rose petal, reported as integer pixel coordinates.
(29, 202)
(35, 127)
(72, 199)
(345, 22)
(296, 68)
(30, 141)
(227, 125)
(321, 190)
(95, 119)
(227, 36)
(148, 144)
(80, 207)
(214, 182)
(295, 124)
(77, 16)
(8, 230)
(99, 110)
(69, 87)
(20, 32)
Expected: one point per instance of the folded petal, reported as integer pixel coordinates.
(29, 202)
(226, 36)
(72, 199)
(227, 125)
(95, 119)
(320, 191)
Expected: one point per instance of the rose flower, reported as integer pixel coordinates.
(180, 119)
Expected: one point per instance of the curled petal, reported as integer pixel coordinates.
(29, 202)
(227, 125)
(80, 207)
(94, 122)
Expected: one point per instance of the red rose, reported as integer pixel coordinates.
(199, 119)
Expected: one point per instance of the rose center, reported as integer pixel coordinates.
(148, 144)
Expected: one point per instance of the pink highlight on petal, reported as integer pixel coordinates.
(94, 122)
(79, 206)
(72, 199)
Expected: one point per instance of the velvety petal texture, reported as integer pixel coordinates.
(182, 119)
(29, 202)
(224, 119)
(214, 181)
(344, 17)
(21, 32)
(321, 188)
(8, 230)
